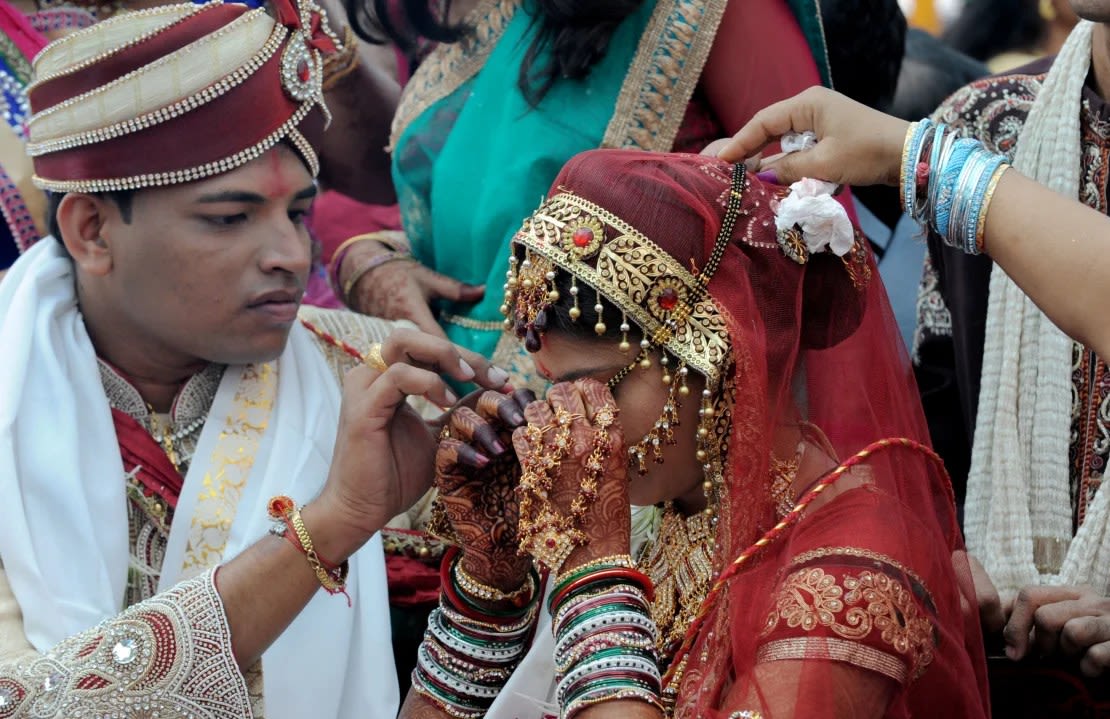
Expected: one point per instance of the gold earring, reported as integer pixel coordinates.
(624, 345)
(575, 313)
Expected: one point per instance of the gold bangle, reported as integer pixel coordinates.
(476, 589)
(373, 263)
(332, 583)
(379, 236)
(981, 229)
(616, 560)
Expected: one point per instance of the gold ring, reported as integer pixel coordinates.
(374, 358)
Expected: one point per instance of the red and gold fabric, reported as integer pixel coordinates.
(176, 94)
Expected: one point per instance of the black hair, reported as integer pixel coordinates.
(987, 28)
(121, 198)
(577, 33)
(866, 42)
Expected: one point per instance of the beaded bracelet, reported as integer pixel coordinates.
(474, 588)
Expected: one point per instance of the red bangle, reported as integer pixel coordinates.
(632, 575)
(460, 605)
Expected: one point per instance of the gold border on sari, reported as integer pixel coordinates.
(448, 66)
(664, 73)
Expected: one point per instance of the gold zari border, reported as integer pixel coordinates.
(832, 649)
(230, 467)
(450, 65)
(653, 99)
(188, 175)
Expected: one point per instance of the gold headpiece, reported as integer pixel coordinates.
(648, 285)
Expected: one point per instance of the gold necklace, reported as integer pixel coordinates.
(164, 437)
(680, 564)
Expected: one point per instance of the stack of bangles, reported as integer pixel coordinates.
(469, 651)
(948, 182)
(394, 248)
(288, 524)
(605, 638)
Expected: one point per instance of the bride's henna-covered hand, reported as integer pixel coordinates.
(477, 474)
(607, 521)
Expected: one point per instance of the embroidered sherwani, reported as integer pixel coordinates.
(176, 640)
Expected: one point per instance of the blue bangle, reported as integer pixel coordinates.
(990, 163)
(946, 185)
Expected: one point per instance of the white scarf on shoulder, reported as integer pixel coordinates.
(1019, 509)
(63, 522)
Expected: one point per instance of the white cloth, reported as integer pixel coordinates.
(1019, 496)
(64, 538)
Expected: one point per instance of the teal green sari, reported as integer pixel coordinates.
(471, 157)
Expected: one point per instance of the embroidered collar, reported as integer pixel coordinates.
(193, 401)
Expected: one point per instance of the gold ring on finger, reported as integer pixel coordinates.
(374, 358)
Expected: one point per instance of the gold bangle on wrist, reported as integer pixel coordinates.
(478, 590)
(372, 264)
(981, 229)
(334, 578)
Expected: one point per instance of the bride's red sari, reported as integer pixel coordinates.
(860, 603)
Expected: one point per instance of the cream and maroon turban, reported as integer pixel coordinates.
(177, 93)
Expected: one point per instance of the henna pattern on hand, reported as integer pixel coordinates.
(480, 501)
(607, 524)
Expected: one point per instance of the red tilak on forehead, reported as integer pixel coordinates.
(278, 184)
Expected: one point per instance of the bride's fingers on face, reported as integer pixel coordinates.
(537, 414)
(597, 397)
(566, 396)
(470, 427)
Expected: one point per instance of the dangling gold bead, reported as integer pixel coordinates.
(505, 310)
(709, 512)
(575, 313)
(707, 486)
(645, 363)
(527, 284)
(507, 324)
(702, 455)
(599, 328)
(684, 391)
(703, 432)
(513, 282)
(553, 296)
(667, 379)
(708, 412)
(624, 346)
